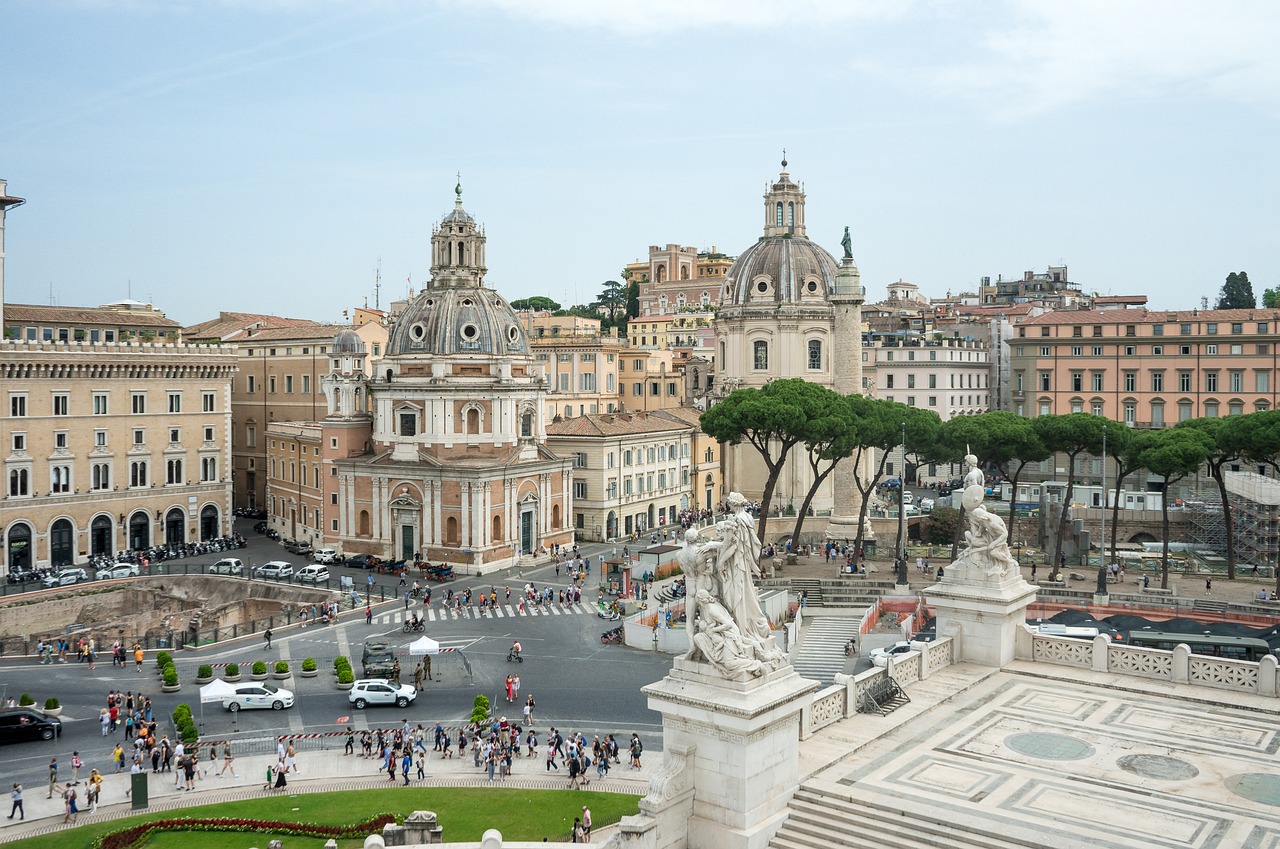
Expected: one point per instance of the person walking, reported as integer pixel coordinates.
(53, 775)
(586, 824)
(227, 759)
(266, 635)
(637, 748)
(16, 795)
(281, 782)
(405, 762)
(137, 656)
(528, 711)
(515, 688)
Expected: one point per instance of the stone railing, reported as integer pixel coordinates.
(841, 700)
(1178, 666)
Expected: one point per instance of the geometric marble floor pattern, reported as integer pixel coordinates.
(1024, 762)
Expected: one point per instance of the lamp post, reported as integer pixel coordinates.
(900, 562)
(1103, 542)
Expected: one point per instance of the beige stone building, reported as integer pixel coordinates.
(112, 445)
(677, 276)
(580, 362)
(121, 321)
(632, 472)
(648, 380)
(282, 362)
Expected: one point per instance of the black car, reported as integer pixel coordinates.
(21, 724)
(361, 561)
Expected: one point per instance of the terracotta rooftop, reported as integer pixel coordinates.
(304, 332)
(1146, 316)
(87, 315)
(229, 322)
(614, 424)
(1120, 299)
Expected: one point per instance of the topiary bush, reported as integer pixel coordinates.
(25, 700)
(185, 724)
(339, 662)
(233, 669)
(170, 676)
(345, 676)
(163, 659)
(259, 667)
(309, 665)
(282, 667)
(205, 671)
(480, 709)
(51, 703)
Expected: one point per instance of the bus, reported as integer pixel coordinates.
(1235, 648)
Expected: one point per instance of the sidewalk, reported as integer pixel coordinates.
(321, 772)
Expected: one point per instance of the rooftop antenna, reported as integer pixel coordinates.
(377, 286)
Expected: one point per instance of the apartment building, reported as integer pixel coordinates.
(632, 472)
(678, 276)
(120, 321)
(295, 482)
(649, 380)
(1147, 368)
(111, 446)
(580, 363)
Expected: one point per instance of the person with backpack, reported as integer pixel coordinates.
(637, 748)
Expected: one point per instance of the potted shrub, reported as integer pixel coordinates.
(52, 707)
(281, 670)
(339, 663)
(170, 684)
(345, 679)
(232, 673)
(204, 674)
(480, 710)
(25, 700)
(259, 671)
(163, 659)
(309, 668)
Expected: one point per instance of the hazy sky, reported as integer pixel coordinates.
(263, 155)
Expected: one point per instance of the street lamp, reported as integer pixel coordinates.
(901, 561)
(1103, 542)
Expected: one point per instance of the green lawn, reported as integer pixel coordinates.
(464, 813)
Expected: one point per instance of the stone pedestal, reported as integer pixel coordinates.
(983, 613)
(731, 756)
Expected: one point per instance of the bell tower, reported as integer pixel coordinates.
(784, 206)
(457, 248)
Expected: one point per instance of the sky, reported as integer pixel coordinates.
(271, 155)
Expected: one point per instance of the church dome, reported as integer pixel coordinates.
(458, 320)
(348, 342)
(782, 269)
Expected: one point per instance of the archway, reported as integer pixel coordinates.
(451, 535)
(19, 548)
(209, 524)
(649, 519)
(139, 531)
(100, 533)
(175, 531)
(1142, 536)
(611, 525)
(62, 543)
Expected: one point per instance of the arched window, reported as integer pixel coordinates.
(174, 471)
(138, 473)
(661, 273)
(791, 214)
(473, 421)
(706, 298)
(526, 423)
(461, 261)
(684, 272)
(815, 354)
(19, 482)
(680, 300)
(760, 355)
(777, 214)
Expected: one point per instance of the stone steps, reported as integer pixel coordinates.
(812, 587)
(832, 815)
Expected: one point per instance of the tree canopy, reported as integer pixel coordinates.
(1072, 434)
(1237, 293)
(537, 302)
(1173, 454)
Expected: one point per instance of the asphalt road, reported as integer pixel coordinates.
(577, 682)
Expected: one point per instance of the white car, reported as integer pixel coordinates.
(926, 505)
(258, 695)
(313, 574)
(65, 578)
(227, 566)
(880, 656)
(380, 691)
(908, 498)
(273, 569)
(326, 555)
(122, 570)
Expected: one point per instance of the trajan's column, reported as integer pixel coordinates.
(847, 297)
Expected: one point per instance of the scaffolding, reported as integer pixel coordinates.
(1255, 519)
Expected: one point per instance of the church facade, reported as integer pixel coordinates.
(442, 453)
(788, 309)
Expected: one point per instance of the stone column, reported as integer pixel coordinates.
(846, 370)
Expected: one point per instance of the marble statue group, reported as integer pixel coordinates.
(986, 552)
(726, 625)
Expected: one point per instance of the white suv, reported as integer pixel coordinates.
(273, 569)
(65, 578)
(380, 691)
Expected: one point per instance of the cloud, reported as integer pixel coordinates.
(1045, 55)
(680, 16)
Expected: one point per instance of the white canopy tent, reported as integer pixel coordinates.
(424, 645)
(215, 691)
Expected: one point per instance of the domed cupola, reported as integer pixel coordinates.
(347, 342)
(455, 313)
(783, 267)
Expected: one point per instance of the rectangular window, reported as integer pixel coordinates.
(911, 381)
(288, 384)
(1096, 408)
(174, 436)
(1211, 409)
(933, 400)
(1157, 330)
(1157, 350)
(1157, 381)
(1130, 330)
(1130, 381)
(1184, 410)
(99, 439)
(60, 440)
(250, 384)
(138, 403)
(271, 384)
(1077, 381)
(1262, 381)
(306, 384)
(208, 434)
(1077, 350)
(1237, 349)
(19, 442)
(1184, 381)
(1211, 328)
(587, 381)
(1130, 413)
(1184, 350)
(580, 460)
(175, 402)
(1184, 329)
(1210, 381)
(933, 381)
(1237, 327)
(1237, 381)
(1130, 350)
(100, 403)
(1097, 381)
(1097, 350)
(579, 489)
(1044, 381)
(1044, 350)
(251, 437)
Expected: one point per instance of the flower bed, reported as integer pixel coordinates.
(135, 836)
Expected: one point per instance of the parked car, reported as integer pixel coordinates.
(65, 578)
(258, 695)
(361, 561)
(908, 498)
(380, 691)
(926, 505)
(273, 569)
(880, 656)
(326, 555)
(297, 546)
(227, 566)
(313, 574)
(122, 570)
(21, 724)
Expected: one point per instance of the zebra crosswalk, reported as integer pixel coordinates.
(501, 611)
(821, 653)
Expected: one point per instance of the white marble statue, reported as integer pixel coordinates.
(986, 550)
(727, 628)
